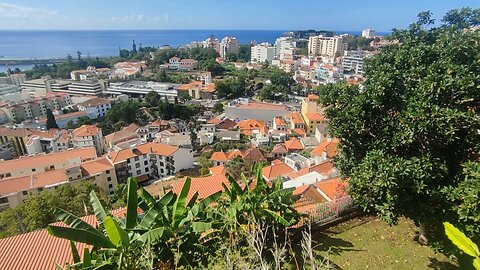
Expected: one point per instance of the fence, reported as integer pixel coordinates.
(327, 211)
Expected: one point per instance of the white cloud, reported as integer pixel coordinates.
(164, 18)
(130, 18)
(10, 11)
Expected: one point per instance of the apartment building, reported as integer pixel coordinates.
(352, 62)
(91, 87)
(229, 45)
(53, 140)
(328, 46)
(88, 136)
(312, 114)
(262, 53)
(37, 107)
(141, 89)
(150, 161)
(96, 107)
(368, 33)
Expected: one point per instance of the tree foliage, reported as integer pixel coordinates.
(51, 122)
(409, 139)
(231, 87)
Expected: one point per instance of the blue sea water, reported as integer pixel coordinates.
(53, 44)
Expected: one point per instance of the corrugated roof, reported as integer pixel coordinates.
(205, 186)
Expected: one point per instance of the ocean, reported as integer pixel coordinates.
(45, 44)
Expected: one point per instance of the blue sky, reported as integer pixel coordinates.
(345, 15)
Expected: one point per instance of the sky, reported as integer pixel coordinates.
(347, 15)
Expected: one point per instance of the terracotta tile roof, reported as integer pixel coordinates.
(131, 127)
(39, 250)
(86, 130)
(214, 121)
(219, 156)
(273, 171)
(143, 149)
(209, 88)
(205, 186)
(96, 166)
(120, 136)
(333, 188)
(295, 117)
(226, 124)
(188, 60)
(218, 170)
(324, 168)
(189, 86)
(15, 132)
(279, 121)
(294, 144)
(46, 134)
(254, 154)
(315, 116)
(248, 126)
(276, 161)
(300, 132)
(29, 182)
(159, 122)
(330, 148)
(65, 116)
(235, 153)
(29, 162)
(279, 149)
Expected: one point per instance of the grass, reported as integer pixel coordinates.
(368, 243)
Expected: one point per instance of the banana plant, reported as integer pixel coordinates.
(464, 243)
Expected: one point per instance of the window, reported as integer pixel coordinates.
(137, 165)
(3, 200)
(107, 172)
(137, 158)
(110, 186)
(145, 162)
(162, 171)
(25, 192)
(109, 179)
(33, 170)
(146, 169)
(111, 192)
(139, 172)
(162, 164)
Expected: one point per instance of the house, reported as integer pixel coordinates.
(279, 124)
(295, 121)
(47, 141)
(127, 136)
(294, 145)
(150, 160)
(276, 170)
(279, 151)
(219, 158)
(88, 136)
(322, 134)
(226, 124)
(309, 142)
(102, 173)
(307, 179)
(298, 162)
(312, 114)
(251, 126)
(228, 135)
(218, 170)
(325, 150)
(188, 64)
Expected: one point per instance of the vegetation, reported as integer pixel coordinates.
(464, 243)
(174, 230)
(211, 65)
(121, 114)
(167, 110)
(51, 122)
(37, 211)
(230, 87)
(63, 69)
(409, 138)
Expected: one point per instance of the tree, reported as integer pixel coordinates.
(122, 53)
(409, 138)
(218, 108)
(204, 163)
(211, 65)
(272, 91)
(122, 112)
(51, 122)
(152, 99)
(235, 167)
(134, 48)
(244, 53)
(230, 87)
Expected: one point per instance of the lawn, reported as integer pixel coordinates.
(368, 243)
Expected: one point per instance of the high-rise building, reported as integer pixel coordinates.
(262, 52)
(368, 33)
(328, 46)
(353, 61)
(229, 45)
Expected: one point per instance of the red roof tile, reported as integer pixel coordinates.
(205, 186)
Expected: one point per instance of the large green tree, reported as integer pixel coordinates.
(51, 122)
(410, 137)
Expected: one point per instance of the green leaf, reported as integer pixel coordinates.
(193, 200)
(147, 197)
(148, 219)
(117, 235)
(152, 236)
(75, 222)
(461, 240)
(179, 205)
(87, 259)
(476, 263)
(278, 218)
(75, 255)
(98, 209)
(167, 198)
(80, 235)
(200, 227)
(132, 202)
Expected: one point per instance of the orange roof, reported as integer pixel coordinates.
(189, 86)
(234, 153)
(65, 116)
(226, 124)
(96, 166)
(15, 132)
(247, 126)
(143, 149)
(279, 149)
(86, 130)
(329, 147)
(218, 170)
(214, 121)
(294, 144)
(300, 132)
(315, 116)
(159, 122)
(276, 161)
(219, 156)
(205, 186)
(29, 162)
(209, 88)
(273, 171)
(25, 183)
(254, 154)
(94, 102)
(279, 121)
(324, 168)
(333, 188)
(295, 117)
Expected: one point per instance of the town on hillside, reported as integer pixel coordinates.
(222, 146)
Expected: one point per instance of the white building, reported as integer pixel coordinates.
(368, 33)
(96, 107)
(262, 52)
(353, 61)
(330, 46)
(91, 87)
(141, 89)
(284, 44)
(229, 45)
